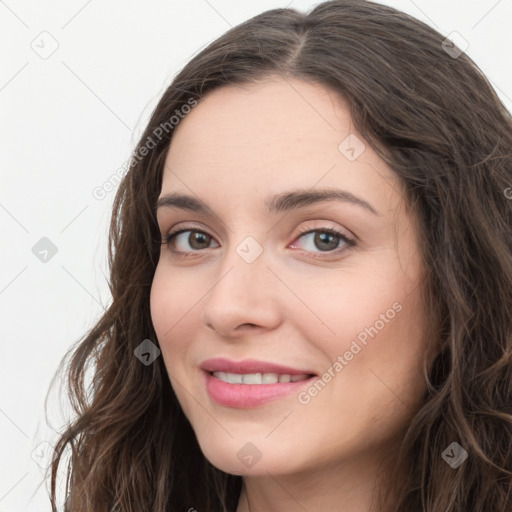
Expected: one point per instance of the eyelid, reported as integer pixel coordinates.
(307, 226)
(186, 227)
(342, 233)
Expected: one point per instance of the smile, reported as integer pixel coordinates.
(252, 389)
(258, 378)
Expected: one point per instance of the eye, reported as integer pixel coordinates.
(196, 240)
(325, 239)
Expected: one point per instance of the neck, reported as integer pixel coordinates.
(345, 487)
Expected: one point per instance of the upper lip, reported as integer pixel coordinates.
(220, 364)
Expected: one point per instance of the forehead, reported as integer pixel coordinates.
(269, 136)
(290, 116)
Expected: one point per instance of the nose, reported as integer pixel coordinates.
(245, 296)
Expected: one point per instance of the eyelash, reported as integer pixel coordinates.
(349, 242)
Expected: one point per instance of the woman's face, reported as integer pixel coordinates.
(243, 282)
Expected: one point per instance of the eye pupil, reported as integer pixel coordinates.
(322, 238)
(195, 236)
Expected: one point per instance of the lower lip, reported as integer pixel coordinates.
(250, 395)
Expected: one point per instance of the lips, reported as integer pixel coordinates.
(246, 366)
(244, 395)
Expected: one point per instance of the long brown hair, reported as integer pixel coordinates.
(436, 120)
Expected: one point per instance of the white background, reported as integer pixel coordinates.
(68, 122)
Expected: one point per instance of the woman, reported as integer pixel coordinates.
(247, 365)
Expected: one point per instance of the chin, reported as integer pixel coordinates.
(243, 457)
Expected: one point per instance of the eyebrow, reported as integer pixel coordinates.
(280, 203)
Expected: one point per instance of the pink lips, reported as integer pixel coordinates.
(249, 395)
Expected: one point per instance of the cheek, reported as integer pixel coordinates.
(171, 300)
(371, 333)
(171, 306)
(160, 304)
(344, 307)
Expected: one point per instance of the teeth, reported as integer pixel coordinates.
(269, 378)
(251, 378)
(257, 378)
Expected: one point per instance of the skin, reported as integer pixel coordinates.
(296, 304)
